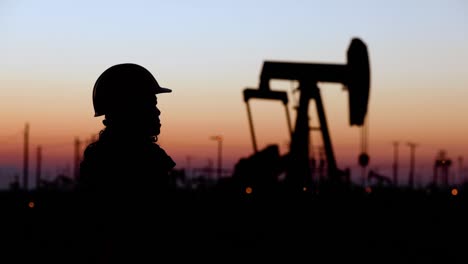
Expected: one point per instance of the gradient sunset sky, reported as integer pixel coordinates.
(52, 52)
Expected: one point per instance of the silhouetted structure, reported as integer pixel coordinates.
(380, 180)
(15, 184)
(356, 77)
(260, 171)
(26, 157)
(441, 169)
(395, 163)
(219, 139)
(460, 169)
(38, 167)
(412, 160)
(77, 158)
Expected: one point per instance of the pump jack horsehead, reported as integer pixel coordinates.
(355, 76)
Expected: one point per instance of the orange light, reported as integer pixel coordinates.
(454, 192)
(304, 189)
(31, 204)
(368, 189)
(248, 190)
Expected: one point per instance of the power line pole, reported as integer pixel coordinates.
(76, 165)
(412, 158)
(460, 170)
(26, 157)
(188, 166)
(38, 167)
(220, 144)
(395, 163)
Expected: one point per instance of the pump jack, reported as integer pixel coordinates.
(355, 75)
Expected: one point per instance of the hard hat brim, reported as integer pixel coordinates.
(162, 90)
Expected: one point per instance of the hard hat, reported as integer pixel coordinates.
(123, 86)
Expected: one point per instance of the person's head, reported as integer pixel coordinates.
(126, 95)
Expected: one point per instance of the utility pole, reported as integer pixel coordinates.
(220, 143)
(26, 157)
(188, 166)
(411, 172)
(395, 163)
(38, 167)
(460, 170)
(76, 169)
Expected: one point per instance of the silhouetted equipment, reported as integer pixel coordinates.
(38, 167)
(219, 139)
(355, 75)
(381, 180)
(188, 166)
(363, 159)
(26, 157)
(15, 184)
(412, 158)
(442, 164)
(321, 166)
(261, 170)
(460, 169)
(265, 94)
(395, 163)
(77, 155)
(123, 87)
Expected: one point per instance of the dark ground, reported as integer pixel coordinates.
(384, 226)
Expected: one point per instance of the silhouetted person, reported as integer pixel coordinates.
(125, 174)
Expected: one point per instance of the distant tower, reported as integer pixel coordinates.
(460, 170)
(395, 163)
(76, 164)
(442, 164)
(38, 167)
(322, 164)
(209, 168)
(26, 157)
(219, 139)
(412, 158)
(188, 166)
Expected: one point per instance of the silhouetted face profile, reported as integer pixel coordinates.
(126, 95)
(142, 119)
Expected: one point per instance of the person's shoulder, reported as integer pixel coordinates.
(161, 154)
(91, 149)
(95, 149)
